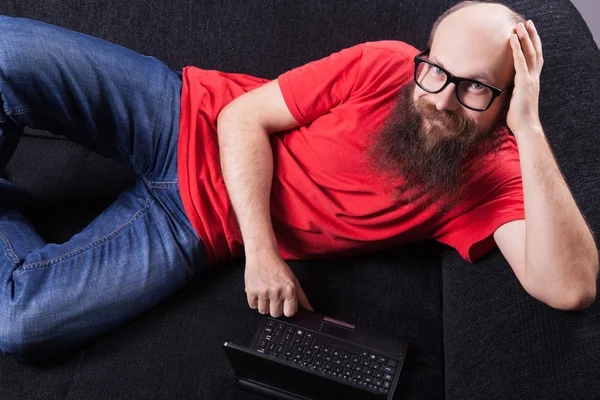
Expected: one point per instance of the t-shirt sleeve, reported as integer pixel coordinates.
(499, 190)
(313, 89)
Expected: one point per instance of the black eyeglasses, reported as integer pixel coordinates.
(472, 94)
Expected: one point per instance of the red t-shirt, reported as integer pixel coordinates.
(323, 204)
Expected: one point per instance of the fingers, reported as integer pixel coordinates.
(527, 47)
(518, 56)
(290, 302)
(253, 302)
(263, 305)
(537, 42)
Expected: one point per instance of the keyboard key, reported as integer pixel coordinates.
(289, 329)
(364, 354)
(299, 332)
(367, 371)
(279, 327)
(276, 333)
(377, 374)
(261, 343)
(355, 359)
(347, 364)
(386, 384)
(337, 344)
(357, 367)
(306, 342)
(357, 375)
(297, 347)
(260, 349)
(392, 363)
(337, 368)
(268, 330)
(366, 362)
(383, 390)
(297, 355)
(387, 377)
(307, 358)
(279, 349)
(367, 378)
(326, 349)
(318, 354)
(327, 365)
(270, 323)
(377, 381)
(271, 346)
(372, 357)
(335, 352)
(374, 365)
(388, 369)
(347, 372)
(382, 360)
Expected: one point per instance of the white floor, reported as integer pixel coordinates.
(590, 10)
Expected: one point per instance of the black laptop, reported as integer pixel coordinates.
(311, 356)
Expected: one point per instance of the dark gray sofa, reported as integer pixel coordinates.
(474, 331)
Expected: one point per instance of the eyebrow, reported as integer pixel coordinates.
(481, 76)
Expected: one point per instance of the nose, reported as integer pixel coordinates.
(446, 99)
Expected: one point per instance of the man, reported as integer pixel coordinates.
(361, 157)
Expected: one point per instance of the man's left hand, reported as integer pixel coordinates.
(523, 115)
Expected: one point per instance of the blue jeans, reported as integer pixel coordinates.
(138, 251)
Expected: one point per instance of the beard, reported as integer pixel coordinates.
(425, 149)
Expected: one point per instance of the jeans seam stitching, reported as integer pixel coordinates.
(23, 110)
(95, 243)
(10, 249)
(163, 185)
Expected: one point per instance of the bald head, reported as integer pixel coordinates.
(487, 12)
(472, 40)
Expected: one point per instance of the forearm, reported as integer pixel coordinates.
(247, 166)
(561, 259)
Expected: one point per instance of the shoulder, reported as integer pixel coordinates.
(401, 48)
(385, 65)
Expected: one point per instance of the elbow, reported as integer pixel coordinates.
(567, 300)
(578, 301)
(581, 301)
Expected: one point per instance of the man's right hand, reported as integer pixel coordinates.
(272, 287)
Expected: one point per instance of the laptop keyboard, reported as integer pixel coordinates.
(328, 356)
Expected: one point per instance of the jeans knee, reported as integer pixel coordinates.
(19, 340)
(26, 45)
(12, 336)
